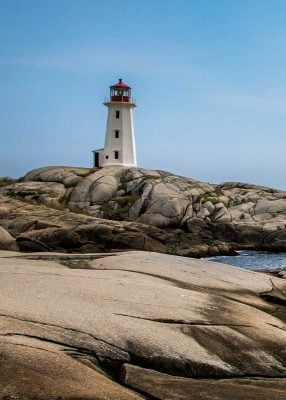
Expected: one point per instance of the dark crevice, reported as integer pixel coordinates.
(113, 368)
(194, 370)
(110, 366)
(274, 296)
(275, 326)
(239, 301)
(32, 347)
(175, 282)
(182, 322)
(184, 214)
(65, 257)
(65, 329)
(78, 350)
(142, 392)
(210, 377)
(275, 287)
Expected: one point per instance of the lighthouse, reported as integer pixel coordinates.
(119, 147)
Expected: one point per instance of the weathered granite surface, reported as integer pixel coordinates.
(210, 219)
(139, 325)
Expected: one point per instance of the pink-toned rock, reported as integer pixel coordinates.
(7, 242)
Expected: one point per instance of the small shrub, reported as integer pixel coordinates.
(208, 196)
(213, 200)
(124, 205)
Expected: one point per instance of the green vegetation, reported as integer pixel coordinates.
(213, 200)
(112, 213)
(218, 191)
(124, 205)
(208, 196)
(212, 196)
(123, 183)
(125, 200)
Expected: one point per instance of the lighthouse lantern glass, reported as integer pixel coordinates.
(120, 92)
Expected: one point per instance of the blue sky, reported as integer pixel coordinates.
(208, 77)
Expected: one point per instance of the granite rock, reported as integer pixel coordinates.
(7, 242)
(81, 326)
(160, 199)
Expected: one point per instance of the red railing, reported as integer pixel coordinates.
(120, 99)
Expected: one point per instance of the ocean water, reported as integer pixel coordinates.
(254, 260)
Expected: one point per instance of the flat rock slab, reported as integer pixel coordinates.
(162, 386)
(34, 369)
(96, 314)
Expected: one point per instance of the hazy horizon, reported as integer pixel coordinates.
(208, 77)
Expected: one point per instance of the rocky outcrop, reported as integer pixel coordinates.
(40, 228)
(206, 217)
(139, 325)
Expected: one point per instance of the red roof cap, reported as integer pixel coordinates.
(120, 84)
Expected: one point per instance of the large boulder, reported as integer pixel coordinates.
(120, 237)
(54, 238)
(68, 176)
(100, 187)
(33, 368)
(49, 193)
(7, 242)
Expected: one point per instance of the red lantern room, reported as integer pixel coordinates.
(120, 92)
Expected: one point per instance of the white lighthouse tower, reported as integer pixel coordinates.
(119, 147)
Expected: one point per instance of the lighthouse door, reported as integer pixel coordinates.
(96, 160)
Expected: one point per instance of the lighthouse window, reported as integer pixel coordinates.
(116, 155)
(116, 134)
(117, 114)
